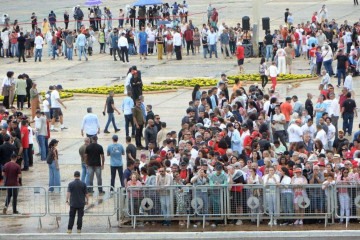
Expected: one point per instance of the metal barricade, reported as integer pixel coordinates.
(24, 202)
(160, 203)
(347, 201)
(100, 204)
(210, 202)
(245, 202)
(297, 202)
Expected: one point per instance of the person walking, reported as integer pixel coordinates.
(12, 173)
(95, 159)
(110, 108)
(52, 160)
(116, 151)
(263, 71)
(84, 173)
(76, 197)
(240, 55)
(34, 99)
(126, 107)
(56, 104)
(90, 124)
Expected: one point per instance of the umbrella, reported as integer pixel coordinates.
(147, 2)
(91, 3)
(163, 22)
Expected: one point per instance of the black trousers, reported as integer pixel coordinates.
(129, 120)
(30, 154)
(20, 101)
(72, 215)
(28, 97)
(264, 80)
(113, 176)
(21, 54)
(12, 192)
(6, 102)
(280, 135)
(138, 135)
(124, 54)
(178, 52)
(190, 44)
(114, 51)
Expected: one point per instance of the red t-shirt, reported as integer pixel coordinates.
(24, 136)
(11, 170)
(297, 37)
(247, 143)
(312, 52)
(240, 52)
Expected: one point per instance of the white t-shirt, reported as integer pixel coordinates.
(331, 132)
(39, 41)
(348, 83)
(295, 133)
(54, 99)
(279, 118)
(46, 106)
(31, 135)
(321, 135)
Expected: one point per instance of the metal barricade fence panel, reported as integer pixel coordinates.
(160, 202)
(30, 201)
(210, 201)
(297, 201)
(245, 201)
(98, 205)
(347, 201)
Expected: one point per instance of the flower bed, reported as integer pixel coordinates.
(63, 95)
(118, 89)
(212, 82)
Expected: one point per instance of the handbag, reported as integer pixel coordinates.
(5, 91)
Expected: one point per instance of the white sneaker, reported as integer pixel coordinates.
(296, 222)
(301, 222)
(275, 223)
(213, 225)
(270, 223)
(238, 222)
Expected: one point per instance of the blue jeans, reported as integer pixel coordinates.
(91, 171)
(111, 118)
(14, 49)
(131, 49)
(328, 67)
(213, 49)
(297, 50)
(165, 206)
(348, 119)
(341, 71)
(42, 146)
(70, 53)
(287, 203)
(78, 24)
(205, 51)
(38, 53)
(54, 177)
(54, 51)
(128, 120)
(84, 174)
(269, 52)
(26, 158)
(82, 52)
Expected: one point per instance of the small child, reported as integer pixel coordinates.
(205, 45)
(325, 79)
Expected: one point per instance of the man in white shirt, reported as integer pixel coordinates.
(126, 107)
(55, 109)
(41, 133)
(177, 44)
(212, 40)
(295, 133)
(123, 46)
(321, 135)
(330, 133)
(39, 42)
(309, 128)
(278, 125)
(334, 111)
(90, 124)
(348, 83)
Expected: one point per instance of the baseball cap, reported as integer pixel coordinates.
(59, 86)
(348, 155)
(76, 174)
(297, 170)
(321, 164)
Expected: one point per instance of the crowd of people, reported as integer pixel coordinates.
(229, 135)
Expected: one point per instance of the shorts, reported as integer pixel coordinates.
(240, 62)
(143, 49)
(48, 115)
(56, 112)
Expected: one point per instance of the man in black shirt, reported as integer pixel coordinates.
(130, 150)
(268, 40)
(348, 109)
(21, 46)
(341, 65)
(339, 142)
(110, 107)
(77, 197)
(95, 159)
(6, 150)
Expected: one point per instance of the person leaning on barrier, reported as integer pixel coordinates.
(77, 197)
(11, 173)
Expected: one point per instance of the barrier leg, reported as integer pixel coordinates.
(326, 219)
(108, 223)
(258, 220)
(188, 221)
(203, 221)
(40, 224)
(134, 222)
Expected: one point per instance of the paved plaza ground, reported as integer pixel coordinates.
(101, 70)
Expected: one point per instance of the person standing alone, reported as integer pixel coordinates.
(116, 151)
(77, 197)
(110, 107)
(12, 174)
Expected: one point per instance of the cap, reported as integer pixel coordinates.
(199, 125)
(297, 170)
(59, 86)
(158, 159)
(321, 164)
(348, 155)
(321, 155)
(76, 174)
(198, 135)
(115, 137)
(215, 119)
(341, 131)
(5, 125)
(336, 155)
